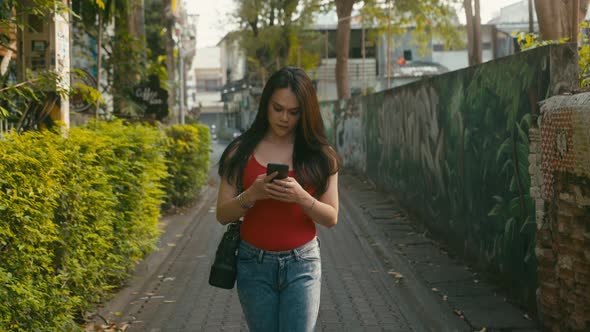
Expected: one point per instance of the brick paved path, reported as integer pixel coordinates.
(358, 294)
(369, 283)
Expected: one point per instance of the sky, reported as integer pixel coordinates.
(213, 14)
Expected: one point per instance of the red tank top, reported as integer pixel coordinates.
(274, 225)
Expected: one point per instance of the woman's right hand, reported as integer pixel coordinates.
(257, 191)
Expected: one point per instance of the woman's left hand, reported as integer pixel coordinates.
(287, 190)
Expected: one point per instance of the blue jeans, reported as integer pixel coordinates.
(280, 290)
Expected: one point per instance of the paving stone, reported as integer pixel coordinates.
(422, 250)
(442, 273)
(491, 312)
(403, 237)
(464, 288)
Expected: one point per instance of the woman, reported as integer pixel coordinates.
(279, 267)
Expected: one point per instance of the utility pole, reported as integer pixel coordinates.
(47, 47)
(98, 65)
(531, 23)
(181, 77)
(363, 53)
(185, 36)
(389, 44)
(576, 20)
(62, 60)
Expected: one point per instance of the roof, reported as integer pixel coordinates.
(514, 13)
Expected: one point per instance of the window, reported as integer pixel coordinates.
(212, 84)
(438, 47)
(408, 55)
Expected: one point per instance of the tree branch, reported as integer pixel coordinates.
(19, 84)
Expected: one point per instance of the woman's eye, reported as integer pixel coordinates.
(295, 113)
(277, 109)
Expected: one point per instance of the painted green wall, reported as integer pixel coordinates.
(455, 149)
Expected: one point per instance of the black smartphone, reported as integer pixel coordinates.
(283, 170)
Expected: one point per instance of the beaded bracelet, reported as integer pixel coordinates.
(244, 205)
(312, 204)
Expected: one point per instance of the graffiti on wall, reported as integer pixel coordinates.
(349, 137)
(408, 122)
(327, 112)
(455, 149)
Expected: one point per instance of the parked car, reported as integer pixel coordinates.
(228, 133)
(235, 132)
(213, 131)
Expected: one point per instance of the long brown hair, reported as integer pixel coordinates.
(313, 158)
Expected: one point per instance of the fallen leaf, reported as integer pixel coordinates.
(482, 330)
(445, 297)
(435, 289)
(395, 274)
(526, 316)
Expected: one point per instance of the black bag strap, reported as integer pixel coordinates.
(240, 182)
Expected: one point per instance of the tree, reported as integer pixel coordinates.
(127, 59)
(343, 9)
(273, 34)
(473, 26)
(560, 19)
(427, 17)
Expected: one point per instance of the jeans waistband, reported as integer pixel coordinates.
(247, 247)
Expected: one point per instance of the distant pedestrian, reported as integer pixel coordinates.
(279, 266)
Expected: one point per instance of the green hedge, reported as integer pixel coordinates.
(77, 213)
(188, 162)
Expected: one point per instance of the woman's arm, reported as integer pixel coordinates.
(323, 211)
(231, 207)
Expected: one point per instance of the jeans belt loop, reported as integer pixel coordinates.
(260, 256)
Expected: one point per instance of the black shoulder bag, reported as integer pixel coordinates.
(223, 271)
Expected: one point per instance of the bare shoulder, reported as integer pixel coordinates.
(230, 151)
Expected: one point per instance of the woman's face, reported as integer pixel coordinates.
(283, 112)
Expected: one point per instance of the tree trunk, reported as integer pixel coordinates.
(343, 9)
(171, 69)
(477, 51)
(560, 19)
(473, 27)
(531, 18)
